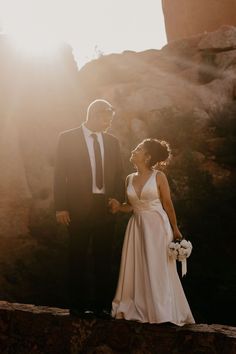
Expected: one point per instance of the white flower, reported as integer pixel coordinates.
(182, 251)
(175, 253)
(172, 252)
(172, 245)
(189, 250)
(184, 243)
(190, 245)
(177, 246)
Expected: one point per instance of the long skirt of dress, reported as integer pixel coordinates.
(149, 288)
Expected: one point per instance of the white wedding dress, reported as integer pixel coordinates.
(149, 288)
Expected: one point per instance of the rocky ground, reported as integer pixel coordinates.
(40, 330)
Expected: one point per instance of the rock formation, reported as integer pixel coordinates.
(185, 18)
(194, 76)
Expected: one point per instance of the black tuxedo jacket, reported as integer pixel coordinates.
(73, 174)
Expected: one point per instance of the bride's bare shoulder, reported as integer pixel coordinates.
(160, 173)
(160, 176)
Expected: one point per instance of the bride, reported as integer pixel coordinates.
(149, 288)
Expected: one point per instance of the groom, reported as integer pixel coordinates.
(88, 172)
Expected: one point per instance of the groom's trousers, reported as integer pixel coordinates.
(90, 253)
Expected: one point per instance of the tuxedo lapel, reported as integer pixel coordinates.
(84, 160)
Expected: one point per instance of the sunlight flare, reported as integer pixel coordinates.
(35, 27)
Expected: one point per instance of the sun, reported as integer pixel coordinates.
(35, 27)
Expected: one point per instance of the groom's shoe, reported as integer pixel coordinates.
(76, 312)
(83, 314)
(89, 315)
(103, 314)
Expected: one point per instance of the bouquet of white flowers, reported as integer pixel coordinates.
(180, 250)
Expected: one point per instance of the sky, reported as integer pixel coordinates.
(92, 27)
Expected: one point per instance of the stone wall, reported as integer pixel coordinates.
(185, 18)
(40, 330)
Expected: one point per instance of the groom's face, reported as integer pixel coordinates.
(102, 119)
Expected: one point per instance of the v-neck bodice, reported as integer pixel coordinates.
(149, 197)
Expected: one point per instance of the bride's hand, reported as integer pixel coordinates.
(177, 234)
(114, 205)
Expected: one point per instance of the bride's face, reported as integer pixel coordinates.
(138, 155)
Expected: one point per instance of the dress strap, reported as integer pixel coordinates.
(156, 172)
(129, 179)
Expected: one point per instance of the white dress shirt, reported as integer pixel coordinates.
(89, 141)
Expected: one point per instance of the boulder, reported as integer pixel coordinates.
(222, 39)
(185, 18)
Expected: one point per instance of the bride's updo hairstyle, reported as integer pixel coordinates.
(159, 150)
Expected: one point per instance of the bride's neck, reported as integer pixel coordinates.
(143, 170)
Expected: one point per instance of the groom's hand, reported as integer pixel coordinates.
(114, 205)
(63, 217)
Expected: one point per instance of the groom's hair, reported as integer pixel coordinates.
(98, 105)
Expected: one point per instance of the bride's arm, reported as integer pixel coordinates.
(166, 200)
(117, 206)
